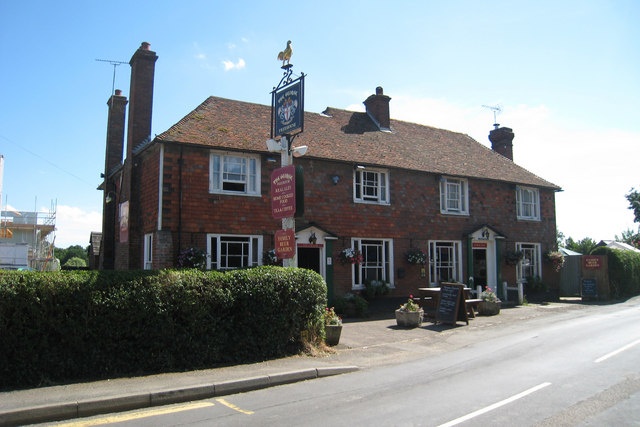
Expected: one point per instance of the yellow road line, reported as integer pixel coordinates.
(232, 406)
(140, 414)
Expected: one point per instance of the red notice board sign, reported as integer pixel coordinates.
(285, 243)
(283, 192)
(592, 262)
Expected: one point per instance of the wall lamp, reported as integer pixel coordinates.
(335, 179)
(110, 196)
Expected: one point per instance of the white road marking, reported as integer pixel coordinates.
(495, 405)
(620, 350)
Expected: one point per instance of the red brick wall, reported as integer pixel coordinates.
(411, 220)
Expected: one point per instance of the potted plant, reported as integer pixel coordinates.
(350, 256)
(332, 326)
(490, 304)
(409, 315)
(417, 256)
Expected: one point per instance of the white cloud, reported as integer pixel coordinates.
(595, 168)
(230, 65)
(73, 225)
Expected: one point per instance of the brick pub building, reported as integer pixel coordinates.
(382, 186)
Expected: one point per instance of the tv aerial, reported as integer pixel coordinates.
(497, 109)
(115, 64)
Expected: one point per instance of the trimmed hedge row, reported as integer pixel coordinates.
(624, 271)
(68, 326)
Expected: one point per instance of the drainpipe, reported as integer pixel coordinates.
(180, 161)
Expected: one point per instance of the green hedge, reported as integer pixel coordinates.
(66, 326)
(624, 271)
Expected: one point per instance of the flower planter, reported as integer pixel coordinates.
(332, 333)
(488, 308)
(409, 319)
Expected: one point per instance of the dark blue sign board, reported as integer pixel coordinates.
(589, 288)
(287, 109)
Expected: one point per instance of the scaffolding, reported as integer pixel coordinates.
(37, 230)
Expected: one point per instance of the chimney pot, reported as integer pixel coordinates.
(379, 90)
(118, 92)
(145, 46)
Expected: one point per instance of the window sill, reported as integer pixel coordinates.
(367, 202)
(454, 213)
(233, 193)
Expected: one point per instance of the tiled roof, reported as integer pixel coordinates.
(351, 137)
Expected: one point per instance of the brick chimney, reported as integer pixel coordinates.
(115, 131)
(502, 141)
(377, 107)
(140, 96)
(113, 158)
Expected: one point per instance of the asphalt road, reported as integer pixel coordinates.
(579, 370)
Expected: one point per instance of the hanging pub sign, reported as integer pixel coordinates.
(287, 108)
(283, 192)
(285, 243)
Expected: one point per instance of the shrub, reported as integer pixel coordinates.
(66, 326)
(624, 271)
(351, 305)
(375, 288)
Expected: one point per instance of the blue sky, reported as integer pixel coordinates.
(567, 75)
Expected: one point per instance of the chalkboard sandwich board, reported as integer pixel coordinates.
(452, 306)
(588, 289)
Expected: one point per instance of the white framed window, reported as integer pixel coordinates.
(226, 252)
(454, 196)
(371, 185)
(377, 261)
(148, 251)
(234, 173)
(529, 265)
(445, 261)
(527, 203)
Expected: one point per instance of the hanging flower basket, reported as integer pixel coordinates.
(512, 258)
(417, 256)
(270, 258)
(557, 259)
(192, 258)
(350, 256)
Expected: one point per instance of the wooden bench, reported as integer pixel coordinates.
(472, 306)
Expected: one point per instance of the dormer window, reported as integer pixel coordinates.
(371, 185)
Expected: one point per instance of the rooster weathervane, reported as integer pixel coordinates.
(285, 55)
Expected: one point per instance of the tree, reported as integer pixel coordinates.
(634, 203)
(584, 246)
(65, 255)
(630, 237)
(75, 262)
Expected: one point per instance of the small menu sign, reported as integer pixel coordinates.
(285, 243)
(283, 192)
